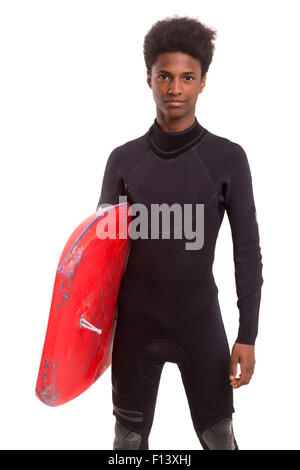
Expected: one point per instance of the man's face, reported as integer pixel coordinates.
(176, 76)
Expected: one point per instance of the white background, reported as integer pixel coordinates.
(73, 87)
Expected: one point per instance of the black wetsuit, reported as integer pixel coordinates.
(168, 309)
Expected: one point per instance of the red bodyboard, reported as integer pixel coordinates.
(86, 286)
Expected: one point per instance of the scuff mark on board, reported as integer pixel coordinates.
(48, 393)
(68, 270)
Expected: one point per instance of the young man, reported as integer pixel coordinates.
(168, 309)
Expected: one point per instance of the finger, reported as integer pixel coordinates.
(239, 382)
(233, 379)
(246, 374)
(234, 383)
(233, 368)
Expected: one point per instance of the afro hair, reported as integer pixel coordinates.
(180, 34)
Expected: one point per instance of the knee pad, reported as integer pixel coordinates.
(219, 436)
(125, 439)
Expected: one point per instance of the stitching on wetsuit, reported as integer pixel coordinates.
(215, 420)
(205, 169)
(201, 137)
(128, 425)
(125, 178)
(179, 150)
(135, 167)
(134, 412)
(136, 419)
(186, 364)
(210, 179)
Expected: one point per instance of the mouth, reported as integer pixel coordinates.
(174, 102)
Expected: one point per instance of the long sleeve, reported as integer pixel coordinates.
(240, 207)
(112, 184)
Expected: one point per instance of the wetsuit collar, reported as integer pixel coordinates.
(170, 144)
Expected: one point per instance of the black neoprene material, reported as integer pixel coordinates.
(168, 309)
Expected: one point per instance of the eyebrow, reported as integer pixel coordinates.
(183, 73)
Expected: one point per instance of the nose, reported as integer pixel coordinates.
(175, 86)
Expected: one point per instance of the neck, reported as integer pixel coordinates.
(171, 124)
(168, 144)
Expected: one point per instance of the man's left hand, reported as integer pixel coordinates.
(244, 355)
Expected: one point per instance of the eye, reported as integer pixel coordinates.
(189, 76)
(163, 75)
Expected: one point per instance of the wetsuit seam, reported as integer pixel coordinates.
(134, 412)
(197, 142)
(214, 421)
(210, 179)
(127, 425)
(169, 159)
(178, 150)
(205, 169)
(211, 200)
(126, 177)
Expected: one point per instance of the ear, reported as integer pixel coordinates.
(149, 79)
(203, 81)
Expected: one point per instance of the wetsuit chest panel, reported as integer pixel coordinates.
(182, 180)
